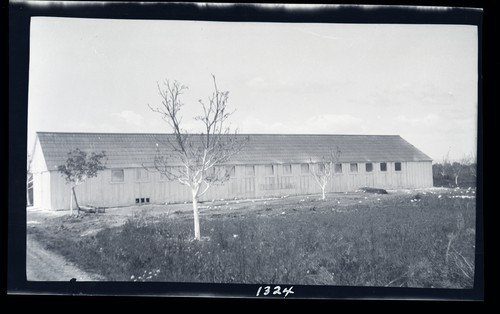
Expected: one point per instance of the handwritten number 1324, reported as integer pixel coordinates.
(275, 290)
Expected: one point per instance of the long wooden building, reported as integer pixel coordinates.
(268, 165)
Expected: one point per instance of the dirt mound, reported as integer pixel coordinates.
(373, 190)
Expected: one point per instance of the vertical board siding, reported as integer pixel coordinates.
(37, 190)
(41, 190)
(100, 191)
(41, 179)
(304, 183)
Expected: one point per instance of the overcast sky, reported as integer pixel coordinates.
(418, 81)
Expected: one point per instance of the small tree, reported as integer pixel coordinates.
(199, 157)
(323, 170)
(443, 171)
(79, 167)
(456, 169)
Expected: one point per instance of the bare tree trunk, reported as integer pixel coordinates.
(456, 180)
(71, 202)
(196, 217)
(76, 200)
(323, 190)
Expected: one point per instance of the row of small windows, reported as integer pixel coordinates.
(142, 200)
(269, 170)
(383, 167)
(369, 167)
(118, 175)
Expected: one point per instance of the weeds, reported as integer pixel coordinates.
(392, 242)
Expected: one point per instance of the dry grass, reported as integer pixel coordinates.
(404, 239)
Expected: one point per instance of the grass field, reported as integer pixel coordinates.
(420, 238)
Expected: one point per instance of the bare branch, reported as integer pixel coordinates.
(207, 186)
(198, 154)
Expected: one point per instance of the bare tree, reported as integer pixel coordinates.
(470, 161)
(323, 170)
(443, 170)
(196, 160)
(456, 169)
(79, 167)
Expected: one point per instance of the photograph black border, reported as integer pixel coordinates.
(18, 62)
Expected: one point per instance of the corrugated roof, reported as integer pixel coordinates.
(125, 150)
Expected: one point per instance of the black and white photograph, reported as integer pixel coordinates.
(273, 154)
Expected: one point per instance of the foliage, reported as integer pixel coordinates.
(81, 166)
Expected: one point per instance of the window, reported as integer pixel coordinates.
(397, 166)
(211, 172)
(287, 169)
(338, 168)
(231, 171)
(142, 200)
(354, 167)
(170, 172)
(141, 174)
(117, 175)
(250, 171)
(321, 168)
(269, 170)
(369, 167)
(304, 168)
(383, 166)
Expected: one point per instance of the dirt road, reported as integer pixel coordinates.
(43, 265)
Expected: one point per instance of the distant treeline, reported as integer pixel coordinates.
(455, 174)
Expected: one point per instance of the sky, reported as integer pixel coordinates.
(417, 81)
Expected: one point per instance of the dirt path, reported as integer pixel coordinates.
(43, 265)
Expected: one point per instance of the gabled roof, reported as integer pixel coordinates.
(125, 150)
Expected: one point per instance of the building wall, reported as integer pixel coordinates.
(101, 191)
(41, 179)
(42, 190)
